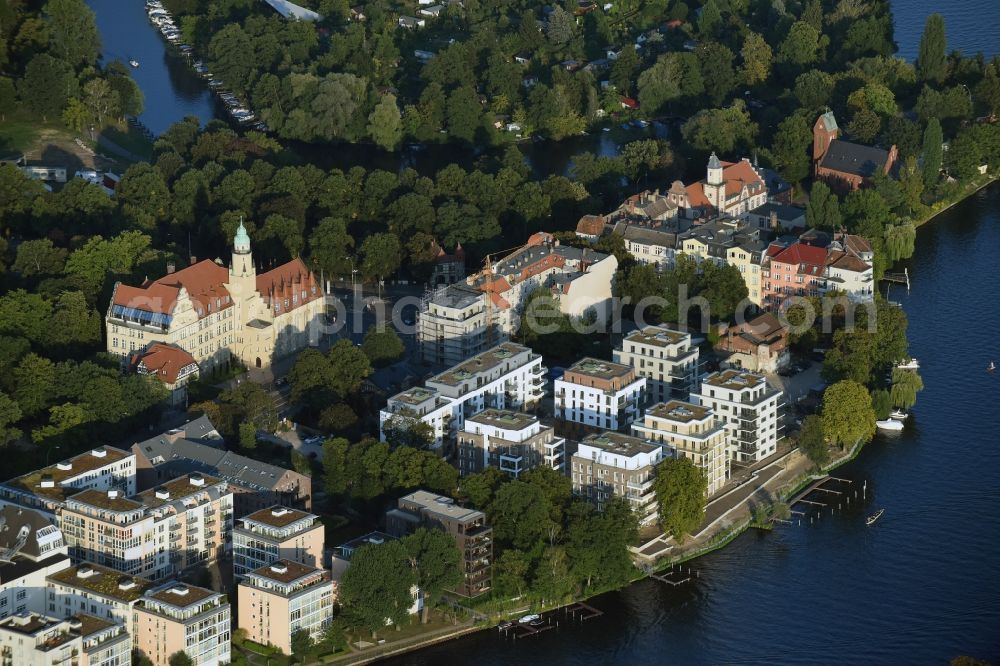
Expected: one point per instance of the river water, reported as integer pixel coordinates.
(920, 586)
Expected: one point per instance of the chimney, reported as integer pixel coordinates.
(194, 260)
(112, 494)
(99, 453)
(197, 480)
(171, 268)
(162, 493)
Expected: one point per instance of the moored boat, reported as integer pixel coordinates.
(911, 364)
(528, 619)
(891, 425)
(898, 414)
(875, 516)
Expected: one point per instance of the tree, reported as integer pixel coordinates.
(375, 589)
(881, 403)
(932, 152)
(144, 195)
(680, 488)
(724, 288)
(597, 543)
(757, 57)
(301, 643)
(812, 440)
(710, 19)
(34, 384)
(385, 123)
(932, 64)
(520, 515)
(813, 89)
(436, 560)
(479, 489)
(463, 113)
(335, 477)
(987, 91)
(790, 148)
(330, 247)
(10, 413)
(39, 257)
(8, 97)
(721, 130)
(180, 658)
(381, 255)
(801, 46)
(848, 416)
(101, 101)
(905, 386)
(47, 86)
(561, 27)
(72, 31)
(716, 70)
(823, 210)
(865, 125)
(348, 368)
(510, 573)
(382, 346)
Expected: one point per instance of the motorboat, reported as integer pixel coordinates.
(528, 619)
(991, 367)
(133, 62)
(891, 425)
(870, 520)
(898, 414)
(911, 364)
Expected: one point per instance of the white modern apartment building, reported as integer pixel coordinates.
(31, 639)
(281, 598)
(460, 320)
(97, 590)
(156, 534)
(690, 431)
(513, 442)
(278, 533)
(612, 464)
(508, 376)
(31, 548)
(179, 617)
(665, 358)
(595, 394)
(750, 409)
(103, 468)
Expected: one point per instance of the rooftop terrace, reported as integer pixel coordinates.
(503, 418)
(479, 364)
(278, 516)
(176, 489)
(182, 595)
(658, 336)
(735, 380)
(592, 367)
(617, 443)
(677, 410)
(47, 482)
(103, 581)
(441, 505)
(110, 500)
(285, 571)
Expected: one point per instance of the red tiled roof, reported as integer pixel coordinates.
(291, 282)
(806, 258)
(630, 103)
(846, 262)
(735, 175)
(204, 282)
(164, 361)
(590, 225)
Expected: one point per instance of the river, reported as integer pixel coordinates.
(919, 587)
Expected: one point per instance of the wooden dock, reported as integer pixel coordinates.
(581, 611)
(515, 629)
(675, 577)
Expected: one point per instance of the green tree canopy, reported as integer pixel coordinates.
(680, 488)
(376, 588)
(436, 560)
(848, 416)
(932, 64)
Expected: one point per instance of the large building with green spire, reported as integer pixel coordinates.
(212, 314)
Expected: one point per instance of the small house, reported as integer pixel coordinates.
(411, 22)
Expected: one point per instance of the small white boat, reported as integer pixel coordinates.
(875, 516)
(528, 619)
(133, 62)
(991, 367)
(898, 414)
(912, 364)
(891, 425)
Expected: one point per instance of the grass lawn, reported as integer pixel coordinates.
(18, 133)
(131, 139)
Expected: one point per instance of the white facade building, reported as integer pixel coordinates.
(508, 376)
(31, 548)
(599, 395)
(664, 357)
(513, 442)
(750, 408)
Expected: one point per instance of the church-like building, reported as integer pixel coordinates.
(216, 314)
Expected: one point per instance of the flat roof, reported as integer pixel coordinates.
(479, 363)
(415, 396)
(278, 516)
(503, 418)
(91, 624)
(592, 367)
(67, 469)
(616, 442)
(102, 500)
(287, 571)
(735, 379)
(443, 505)
(182, 595)
(103, 581)
(678, 410)
(178, 488)
(659, 336)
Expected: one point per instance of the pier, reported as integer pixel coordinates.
(515, 629)
(581, 611)
(899, 278)
(675, 577)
